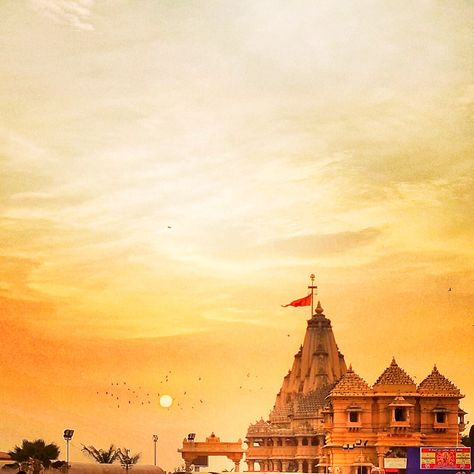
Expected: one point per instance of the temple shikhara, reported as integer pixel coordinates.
(327, 418)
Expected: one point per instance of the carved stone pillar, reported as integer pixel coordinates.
(251, 465)
(300, 465)
(381, 456)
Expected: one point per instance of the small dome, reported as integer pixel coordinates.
(351, 384)
(394, 375)
(437, 384)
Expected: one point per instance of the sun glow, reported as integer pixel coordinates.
(166, 401)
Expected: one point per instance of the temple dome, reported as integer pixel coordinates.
(394, 375)
(305, 406)
(351, 384)
(437, 384)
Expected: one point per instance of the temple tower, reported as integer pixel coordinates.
(293, 437)
(317, 365)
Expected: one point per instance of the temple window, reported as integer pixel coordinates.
(314, 442)
(400, 414)
(353, 416)
(440, 417)
(305, 442)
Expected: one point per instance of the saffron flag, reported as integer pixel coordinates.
(306, 301)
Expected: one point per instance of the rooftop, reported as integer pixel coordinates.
(351, 384)
(394, 375)
(437, 384)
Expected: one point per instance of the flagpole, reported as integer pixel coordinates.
(312, 287)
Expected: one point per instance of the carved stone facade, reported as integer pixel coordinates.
(327, 418)
(192, 451)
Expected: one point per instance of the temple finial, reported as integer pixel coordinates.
(394, 362)
(312, 287)
(319, 309)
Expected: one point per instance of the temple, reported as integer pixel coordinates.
(327, 418)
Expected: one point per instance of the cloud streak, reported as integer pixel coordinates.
(74, 13)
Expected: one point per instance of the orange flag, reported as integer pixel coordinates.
(306, 301)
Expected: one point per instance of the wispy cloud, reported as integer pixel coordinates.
(75, 13)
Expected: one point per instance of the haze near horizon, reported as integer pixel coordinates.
(173, 172)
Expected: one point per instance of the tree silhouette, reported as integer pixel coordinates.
(102, 456)
(35, 450)
(126, 460)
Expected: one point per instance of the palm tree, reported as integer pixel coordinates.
(126, 460)
(35, 450)
(102, 456)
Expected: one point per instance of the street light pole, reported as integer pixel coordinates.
(68, 434)
(155, 439)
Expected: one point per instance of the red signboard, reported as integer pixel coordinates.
(445, 458)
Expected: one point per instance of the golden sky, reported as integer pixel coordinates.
(171, 172)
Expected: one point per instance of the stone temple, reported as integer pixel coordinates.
(327, 418)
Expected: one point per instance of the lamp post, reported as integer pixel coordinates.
(155, 440)
(68, 434)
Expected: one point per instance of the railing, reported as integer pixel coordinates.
(310, 451)
(207, 447)
(259, 451)
(285, 451)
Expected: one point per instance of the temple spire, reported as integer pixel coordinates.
(312, 287)
(316, 367)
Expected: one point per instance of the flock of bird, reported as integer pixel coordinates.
(123, 394)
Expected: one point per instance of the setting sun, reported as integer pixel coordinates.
(166, 401)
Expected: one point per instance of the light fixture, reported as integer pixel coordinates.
(68, 434)
(155, 440)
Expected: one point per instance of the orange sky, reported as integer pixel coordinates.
(172, 172)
